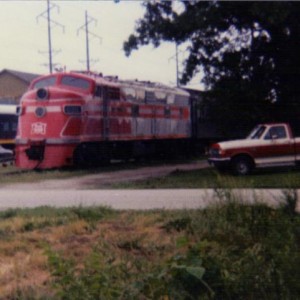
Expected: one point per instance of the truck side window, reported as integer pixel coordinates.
(257, 132)
(276, 132)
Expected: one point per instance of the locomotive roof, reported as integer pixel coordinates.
(114, 81)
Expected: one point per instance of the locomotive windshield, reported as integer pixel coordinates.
(44, 82)
(66, 80)
(76, 82)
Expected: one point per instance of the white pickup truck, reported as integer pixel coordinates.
(268, 145)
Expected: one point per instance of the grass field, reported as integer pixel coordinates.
(228, 251)
(222, 252)
(210, 178)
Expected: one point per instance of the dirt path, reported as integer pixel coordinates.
(106, 178)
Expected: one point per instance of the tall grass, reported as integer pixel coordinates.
(229, 251)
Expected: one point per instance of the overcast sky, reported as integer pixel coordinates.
(24, 39)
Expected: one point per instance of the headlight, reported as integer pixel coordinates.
(216, 151)
(213, 152)
(40, 111)
(42, 94)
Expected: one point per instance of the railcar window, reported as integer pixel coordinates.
(76, 82)
(167, 112)
(8, 126)
(14, 126)
(150, 97)
(181, 100)
(98, 91)
(113, 93)
(135, 110)
(130, 93)
(140, 95)
(181, 112)
(161, 97)
(48, 81)
(171, 99)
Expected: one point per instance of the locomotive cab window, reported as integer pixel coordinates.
(48, 81)
(76, 82)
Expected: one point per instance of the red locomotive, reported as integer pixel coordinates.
(85, 119)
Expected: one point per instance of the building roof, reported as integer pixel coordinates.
(24, 76)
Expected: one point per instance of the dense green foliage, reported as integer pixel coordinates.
(248, 52)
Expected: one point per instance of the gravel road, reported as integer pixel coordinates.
(80, 191)
(102, 179)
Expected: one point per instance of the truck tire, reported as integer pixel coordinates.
(242, 165)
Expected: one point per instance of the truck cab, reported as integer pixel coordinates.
(267, 145)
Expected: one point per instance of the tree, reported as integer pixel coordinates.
(249, 52)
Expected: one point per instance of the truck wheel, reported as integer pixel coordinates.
(242, 165)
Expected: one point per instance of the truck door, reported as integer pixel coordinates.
(277, 146)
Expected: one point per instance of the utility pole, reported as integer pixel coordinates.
(49, 37)
(87, 42)
(177, 64)
(85, 27)
(50, 22)
(177, 67)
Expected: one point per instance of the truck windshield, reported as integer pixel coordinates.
(257, 132)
